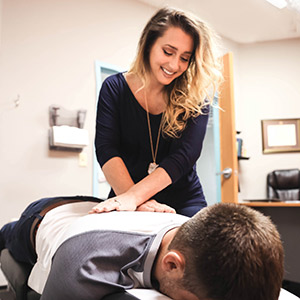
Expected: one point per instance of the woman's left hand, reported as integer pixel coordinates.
(116, 203)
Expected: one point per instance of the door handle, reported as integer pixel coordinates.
(226, 173)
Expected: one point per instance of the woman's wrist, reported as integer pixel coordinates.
(135, 195)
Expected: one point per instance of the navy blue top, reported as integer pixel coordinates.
(122, 131)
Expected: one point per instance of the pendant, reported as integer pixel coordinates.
(152, 167)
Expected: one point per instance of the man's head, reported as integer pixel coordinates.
(226, 252)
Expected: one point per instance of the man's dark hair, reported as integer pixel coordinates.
(232, 252)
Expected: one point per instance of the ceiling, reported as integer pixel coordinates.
(242, 21)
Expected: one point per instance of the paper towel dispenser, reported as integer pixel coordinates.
(66, 131)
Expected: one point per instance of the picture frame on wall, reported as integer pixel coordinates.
(280, 135)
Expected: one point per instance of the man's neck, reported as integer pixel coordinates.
(163, 249)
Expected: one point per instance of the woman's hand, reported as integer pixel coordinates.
(121, 202)
(137, 195)
(153, 205)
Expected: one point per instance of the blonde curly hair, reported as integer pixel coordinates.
(194, 89)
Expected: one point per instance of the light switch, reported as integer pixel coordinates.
(82, 159)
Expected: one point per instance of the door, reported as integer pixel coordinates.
(228, 151)
(208, 165)
(217, 166)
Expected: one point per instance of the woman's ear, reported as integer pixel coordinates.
(173, 264)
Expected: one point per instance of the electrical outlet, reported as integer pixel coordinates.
(82, 159)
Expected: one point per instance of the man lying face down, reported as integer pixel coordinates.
(224, 252)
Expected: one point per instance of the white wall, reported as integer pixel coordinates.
(47, 55)
(269, 89)
(0, 20)
(266, 86)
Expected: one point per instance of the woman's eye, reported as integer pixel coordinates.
(167, 53)
(184, 59)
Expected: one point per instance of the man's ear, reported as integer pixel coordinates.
(173, 263)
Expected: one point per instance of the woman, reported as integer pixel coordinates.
(151, 121)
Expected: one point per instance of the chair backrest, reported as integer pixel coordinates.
(284, 184)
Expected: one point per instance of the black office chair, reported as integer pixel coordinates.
(284, 185)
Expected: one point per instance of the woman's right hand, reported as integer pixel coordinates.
(119, 203)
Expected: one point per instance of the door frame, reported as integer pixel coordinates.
(102, 70)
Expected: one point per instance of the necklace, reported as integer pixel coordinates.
(153, 165)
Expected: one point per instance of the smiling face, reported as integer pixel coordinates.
(170, 56)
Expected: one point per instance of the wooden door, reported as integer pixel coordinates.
(228, 151)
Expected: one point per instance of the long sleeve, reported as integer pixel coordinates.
(185, 150)
(107, 141)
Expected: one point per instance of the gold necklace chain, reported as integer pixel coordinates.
(153, 165)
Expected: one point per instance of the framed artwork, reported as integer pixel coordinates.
(280, 135)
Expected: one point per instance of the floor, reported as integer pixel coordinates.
(4, 293)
